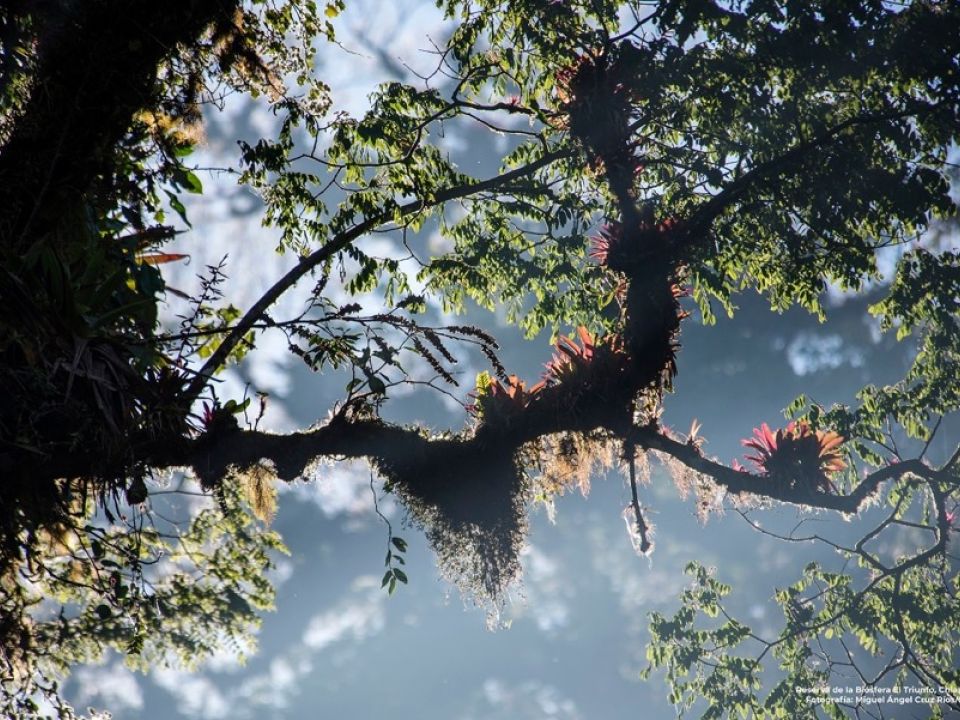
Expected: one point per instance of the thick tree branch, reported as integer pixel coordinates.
(212, 454)
(739, 482)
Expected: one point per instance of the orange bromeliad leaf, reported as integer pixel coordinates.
(830, 460)
(493, 398)
(515, 390)
(160, 258)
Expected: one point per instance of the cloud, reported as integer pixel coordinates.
(196, 695)
(341, 489)
(113, 686)
(356, 622)
(358, 615)
(812, 352)
(544, 593)
(272, 689)
(527, 700)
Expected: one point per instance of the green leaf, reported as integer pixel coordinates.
(377, 385)
(187, 180)
(177, 206)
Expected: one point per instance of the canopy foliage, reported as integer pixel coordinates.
(660, 159)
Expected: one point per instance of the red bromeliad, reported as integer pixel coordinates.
(493, 398)
(798, 453)
(611, 248)
(611, 235)
(515, 391)
(571, 356)
(595, 355)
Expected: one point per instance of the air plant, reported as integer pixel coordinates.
(595, 101)
(607, 242)
(209, 415)
(797, 453)
(594, 357)
(617, 249)
(571, 358)
(493, 399)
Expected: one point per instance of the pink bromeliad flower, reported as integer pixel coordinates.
(797, 452)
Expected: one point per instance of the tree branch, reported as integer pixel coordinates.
(701, 219)
(212, 454)
(739, 482)
(334, 246)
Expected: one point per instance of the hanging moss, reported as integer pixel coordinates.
(470, 498)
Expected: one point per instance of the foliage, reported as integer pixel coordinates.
(130, 582)
(719, 147)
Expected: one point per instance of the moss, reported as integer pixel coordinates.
(470, 498)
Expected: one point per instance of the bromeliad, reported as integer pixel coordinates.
(797, 453)
(495, 400)
(593, 357)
